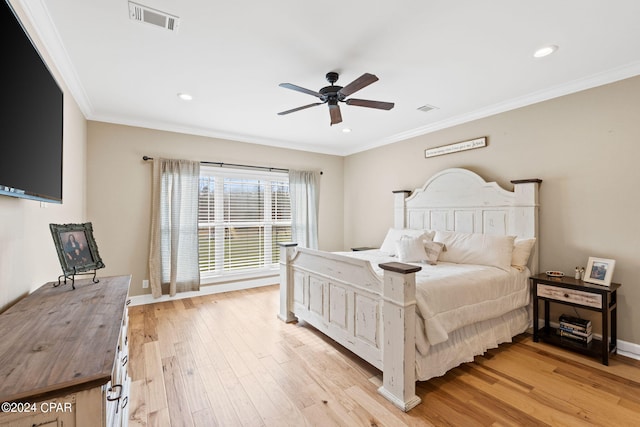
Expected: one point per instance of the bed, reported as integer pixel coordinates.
(415, 317)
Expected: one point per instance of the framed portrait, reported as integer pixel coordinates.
(77, 249)
(599, 271)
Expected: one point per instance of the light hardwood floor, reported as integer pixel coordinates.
(226, 360)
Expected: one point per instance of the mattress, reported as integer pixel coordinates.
(451, 297)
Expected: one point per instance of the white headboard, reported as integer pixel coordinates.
(460, 200)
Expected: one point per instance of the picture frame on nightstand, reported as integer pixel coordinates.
(599, 271)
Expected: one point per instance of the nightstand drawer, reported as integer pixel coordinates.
(570, 295)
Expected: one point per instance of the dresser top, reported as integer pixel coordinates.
(58, 340)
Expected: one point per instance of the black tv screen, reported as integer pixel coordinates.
(31, 118)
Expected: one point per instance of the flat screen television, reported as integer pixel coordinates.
(31, 118)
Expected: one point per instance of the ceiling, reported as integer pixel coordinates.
(468, 58)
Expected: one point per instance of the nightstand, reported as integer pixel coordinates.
(577, 293)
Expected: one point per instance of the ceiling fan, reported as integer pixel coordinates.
(332, 94)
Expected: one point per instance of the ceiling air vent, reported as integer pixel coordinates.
(426, 108)
(140, 13)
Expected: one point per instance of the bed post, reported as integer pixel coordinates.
(287, 251)
(527, 202)
(399, 219)
(399, 335)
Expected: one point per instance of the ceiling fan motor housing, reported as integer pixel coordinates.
(330, 93)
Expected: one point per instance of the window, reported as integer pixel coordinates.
(242, 216)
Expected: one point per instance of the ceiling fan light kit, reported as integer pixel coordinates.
(332, 95)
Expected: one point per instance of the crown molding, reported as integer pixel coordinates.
(36, 11)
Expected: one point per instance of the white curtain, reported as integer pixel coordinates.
(173, 254)
(304, 193)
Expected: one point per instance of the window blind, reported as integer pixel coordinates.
(242, 217)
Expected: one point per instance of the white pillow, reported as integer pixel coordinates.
(521, 252)
(411, 249)
(395, 234)
(433, 250)
(475, 248)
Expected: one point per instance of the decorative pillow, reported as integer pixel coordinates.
(475, 248)
(411, 249)
(521, 252)
(395, 234)
(433, 250)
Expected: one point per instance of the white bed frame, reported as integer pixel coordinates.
(375, 317)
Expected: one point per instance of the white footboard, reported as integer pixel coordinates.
(346, 300)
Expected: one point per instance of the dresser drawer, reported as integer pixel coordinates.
(569, 295)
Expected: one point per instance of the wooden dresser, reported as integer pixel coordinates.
(63, 356)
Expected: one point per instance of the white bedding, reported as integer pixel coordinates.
(451, 297)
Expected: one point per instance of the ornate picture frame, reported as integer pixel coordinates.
(599, 271)
(77, 249)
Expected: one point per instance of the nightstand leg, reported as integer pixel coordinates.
(605, 330)
(546, 317)
(613, 317)
(535, 317)
(614, 330)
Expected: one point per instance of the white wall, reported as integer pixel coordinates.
(585, 147)
(28, 258)
(119, 187)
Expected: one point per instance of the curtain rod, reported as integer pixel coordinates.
(221, 164)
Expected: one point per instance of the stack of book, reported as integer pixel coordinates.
(575, 329)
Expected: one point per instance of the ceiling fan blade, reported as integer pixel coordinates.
(293, 110)
(336, 116)
(300, 89)
(364, 80)
(370, 104)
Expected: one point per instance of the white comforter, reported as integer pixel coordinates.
(451, 296)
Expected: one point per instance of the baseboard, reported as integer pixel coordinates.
(629, 349)
(205, 290)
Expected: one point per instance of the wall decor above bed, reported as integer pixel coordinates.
(456, 147)
(415, 321)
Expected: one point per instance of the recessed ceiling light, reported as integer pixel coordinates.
(545, 51)
(185, 96)
(346, 130)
